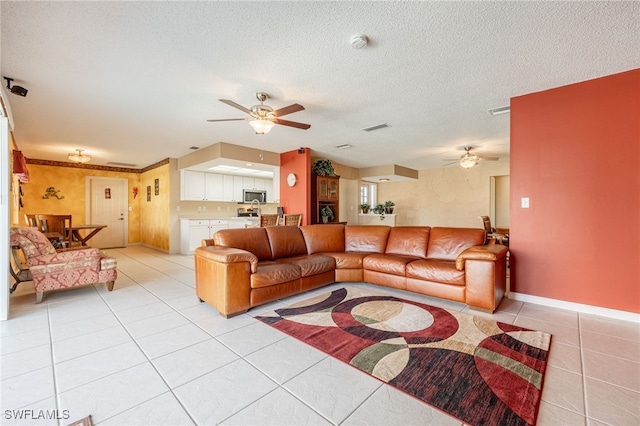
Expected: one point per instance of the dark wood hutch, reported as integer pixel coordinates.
(325, 192)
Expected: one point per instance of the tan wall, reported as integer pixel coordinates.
(71, 182)
(450, 196)
(155, 227)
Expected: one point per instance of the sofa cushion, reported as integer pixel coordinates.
(448, 243)
(408, 241)
(388, 263)
(349, 260)
(286, 241)
(311, 264)
(370, 239)
(323, 238)
(442, 271)
(271, 273)
(253, 240)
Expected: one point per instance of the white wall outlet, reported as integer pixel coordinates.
(199, 209)
(218, 208)
(177, 208)
(204, 208)
(524, 202)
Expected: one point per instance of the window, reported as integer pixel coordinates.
(368, 193)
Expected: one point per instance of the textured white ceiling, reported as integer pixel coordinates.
(135, 82)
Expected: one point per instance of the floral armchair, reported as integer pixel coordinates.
(52, 270)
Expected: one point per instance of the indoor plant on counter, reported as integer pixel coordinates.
(327, 214)
(365, 208)
(388, 207)
(379, 209)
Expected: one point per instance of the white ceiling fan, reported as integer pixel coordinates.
(468, 160)
(262, 117)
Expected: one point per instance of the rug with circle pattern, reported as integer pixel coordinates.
(479, 370)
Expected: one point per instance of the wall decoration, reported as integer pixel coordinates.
(51, 192)
(135, 192)
(157, 186)
(107, 193)
(149, 193)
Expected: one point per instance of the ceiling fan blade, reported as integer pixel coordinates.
(235, 105)
(449, 164)
(488, 158)
(292, 124)
(229, 119)
(288, 110)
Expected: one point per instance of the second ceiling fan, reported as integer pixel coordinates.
(262, 117)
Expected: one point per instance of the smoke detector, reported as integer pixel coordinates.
(359, 41)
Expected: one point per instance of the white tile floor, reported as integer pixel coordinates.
(149, 353)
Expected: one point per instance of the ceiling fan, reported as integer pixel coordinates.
(468, 160)
(262, 117)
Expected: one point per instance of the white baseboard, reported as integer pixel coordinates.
(578, 307)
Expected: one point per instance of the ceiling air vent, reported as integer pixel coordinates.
(376, 127)
(111, 163)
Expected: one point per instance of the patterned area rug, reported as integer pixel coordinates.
(481, 371)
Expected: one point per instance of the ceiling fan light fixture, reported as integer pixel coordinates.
(261, 126)
(468, 161)
(79, 158)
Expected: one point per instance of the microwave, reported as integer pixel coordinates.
(248, 195)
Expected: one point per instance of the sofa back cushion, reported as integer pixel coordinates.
(448, 243)
(408, 241)
(253, 240)
(369, 239)
(327, 238)
(286, 241)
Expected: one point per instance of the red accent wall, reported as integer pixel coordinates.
(296, 199)
(575, 152)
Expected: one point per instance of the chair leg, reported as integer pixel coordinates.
(110, 285)
(39, 295)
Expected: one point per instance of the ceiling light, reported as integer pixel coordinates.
(261, 126)
(384, 179)
(501, 110)
(345, 146)
(79, 157)
(468, 161)
(16, 90)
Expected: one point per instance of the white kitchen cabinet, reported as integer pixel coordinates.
(191, 185)
(238, 183)
(213, 187)
(193, 231)
(227, 188)
(202, 186)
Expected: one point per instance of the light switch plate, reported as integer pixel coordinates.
(524, 202)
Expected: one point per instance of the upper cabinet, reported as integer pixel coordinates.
(202, 186)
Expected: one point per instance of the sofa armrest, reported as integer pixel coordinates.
(84, 255)
(488, 252)
(227, 255)
(207, 242)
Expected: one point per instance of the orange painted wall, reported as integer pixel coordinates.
(575, 152)
(296, 199)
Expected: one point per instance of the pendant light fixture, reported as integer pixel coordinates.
(79, 158)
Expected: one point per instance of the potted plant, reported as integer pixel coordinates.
(327, 214)
(379, 209)
(388, 207)
(365, 207)
(323, 168)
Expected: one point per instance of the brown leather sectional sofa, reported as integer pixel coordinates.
(242, 268)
